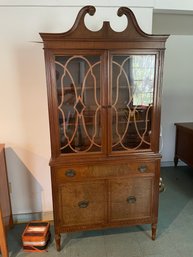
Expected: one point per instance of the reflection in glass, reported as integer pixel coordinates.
(132, 98)
(79, 103)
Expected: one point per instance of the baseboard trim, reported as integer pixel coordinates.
(27, 217)
(171, 163)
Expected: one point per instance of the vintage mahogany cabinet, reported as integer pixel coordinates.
(184, 143)
(104, 92)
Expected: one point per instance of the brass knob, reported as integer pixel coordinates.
(70, 173)
(83, 204)
(131, 199)
(142, 168)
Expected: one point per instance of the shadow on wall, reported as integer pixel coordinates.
(26, 191)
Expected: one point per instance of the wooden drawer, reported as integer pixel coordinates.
(82, 203)
(70, 173)
(131, 198)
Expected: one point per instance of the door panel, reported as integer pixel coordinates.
(131, 198)
(132, 90)
(82, 203)
(79, 100)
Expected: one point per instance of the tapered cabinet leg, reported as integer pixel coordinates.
(175, 161)
(153, 229)
(57, 240)
(3, 241)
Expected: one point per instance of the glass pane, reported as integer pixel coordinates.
(132, 98)
(79, 103)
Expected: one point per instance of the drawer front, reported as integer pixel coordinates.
(82, 203)
(71, 173)
(131, 199)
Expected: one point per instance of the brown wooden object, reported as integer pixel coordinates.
(184, 143)
(6, 220)
(104, 91)
(36, 236)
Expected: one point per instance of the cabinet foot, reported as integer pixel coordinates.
(153, 229)
(175, 161)
(57, 240)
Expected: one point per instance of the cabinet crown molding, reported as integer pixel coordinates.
(79, 30)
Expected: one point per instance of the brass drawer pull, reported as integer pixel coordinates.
(83, 204)
(131, 199)
(142, 168)
(70, 173)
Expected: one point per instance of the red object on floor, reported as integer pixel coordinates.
(36, 236)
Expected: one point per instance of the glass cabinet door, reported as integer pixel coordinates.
(132, 86)
(78, 82)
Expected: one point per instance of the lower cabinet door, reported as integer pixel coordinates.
(82, 203)
(131, 198)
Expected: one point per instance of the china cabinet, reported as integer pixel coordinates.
(104, 92)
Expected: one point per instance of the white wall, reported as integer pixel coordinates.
(173, 24)
(177, 99)
(175, 6)
(177, 103)
(23, 106)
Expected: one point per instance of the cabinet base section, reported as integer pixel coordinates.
(58, 232)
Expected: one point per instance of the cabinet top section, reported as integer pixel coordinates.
(185, 125)
(131, 37)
